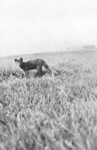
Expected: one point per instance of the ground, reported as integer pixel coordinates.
(50, 113)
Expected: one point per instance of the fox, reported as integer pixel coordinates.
(32, 64)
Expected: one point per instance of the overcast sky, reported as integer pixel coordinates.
(30, 26)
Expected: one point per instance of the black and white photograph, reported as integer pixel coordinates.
(48, 74)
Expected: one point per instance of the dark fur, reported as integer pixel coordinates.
(32, 64)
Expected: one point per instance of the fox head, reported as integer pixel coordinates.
(19, 61)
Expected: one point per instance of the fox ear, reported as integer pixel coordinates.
(15, 60)
(21, 59)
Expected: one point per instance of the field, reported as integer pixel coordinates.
(50, 113)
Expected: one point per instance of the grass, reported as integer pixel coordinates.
(48, 113)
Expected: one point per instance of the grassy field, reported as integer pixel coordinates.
(50, 113)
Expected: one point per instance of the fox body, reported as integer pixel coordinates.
(32, 64)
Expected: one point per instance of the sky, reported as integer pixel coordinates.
(31, 26)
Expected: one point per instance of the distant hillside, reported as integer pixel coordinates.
(90, 47)
(83, 48)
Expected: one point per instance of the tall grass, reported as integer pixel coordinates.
(49, 113)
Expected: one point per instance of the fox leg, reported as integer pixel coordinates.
(26, 73)
(39, 70)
